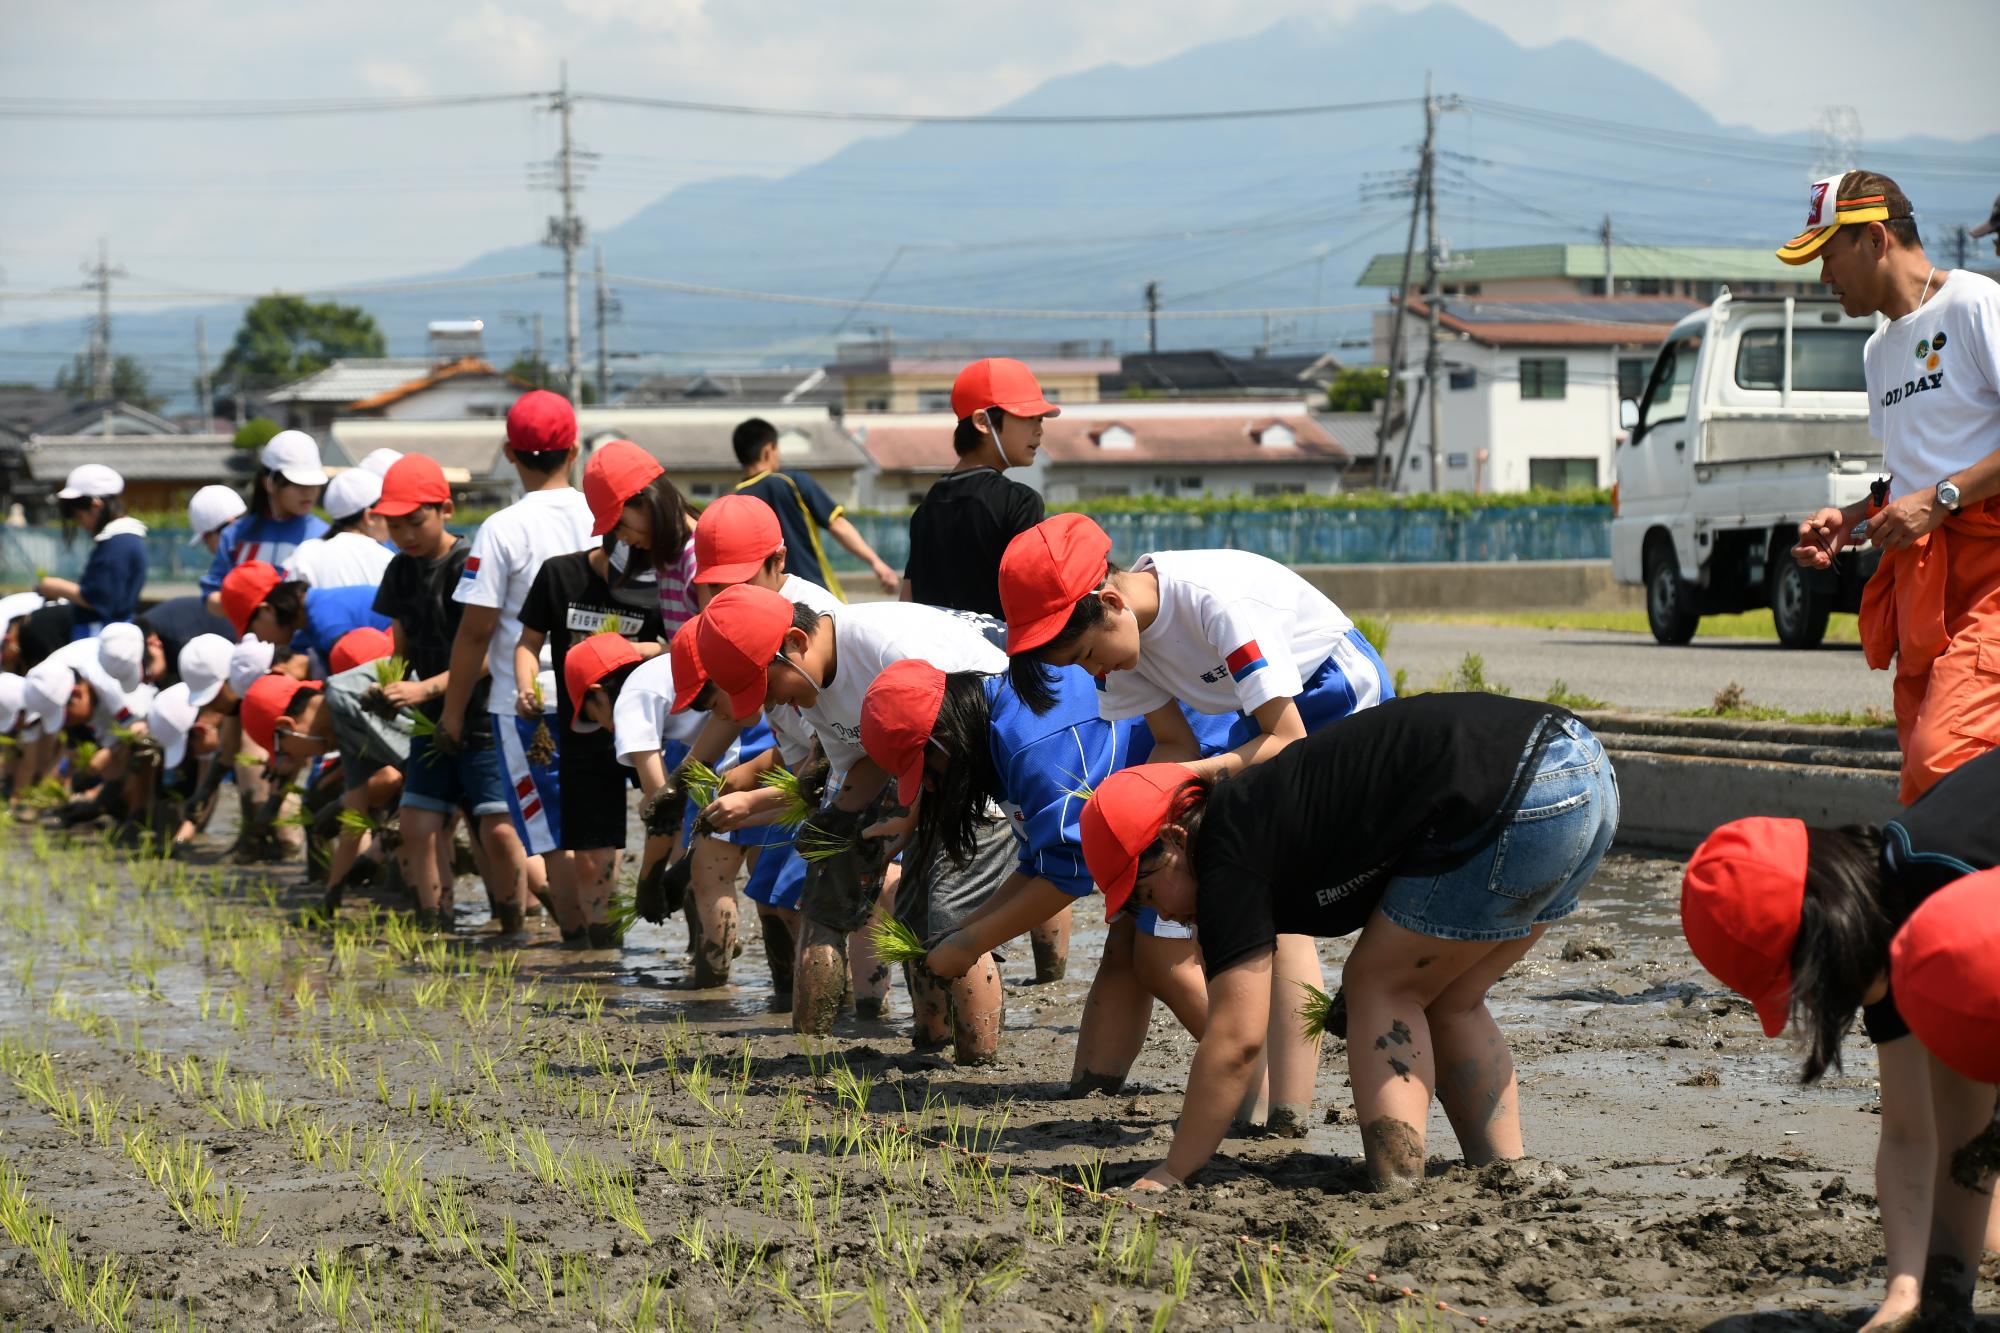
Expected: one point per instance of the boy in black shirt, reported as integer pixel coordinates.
(416, 596)
(803, 507)
(573, 598)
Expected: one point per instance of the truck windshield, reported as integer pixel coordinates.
(1667, 395)
(1823, 360)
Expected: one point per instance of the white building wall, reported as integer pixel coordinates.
(456, 400)
(1076, 481)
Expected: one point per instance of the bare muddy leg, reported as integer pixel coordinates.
(713, 890)
(1051, 945)
(781, 947)
(868, 975)
(821, 979)
(977, 1007)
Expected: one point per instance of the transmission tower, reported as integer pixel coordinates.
(1836, 140)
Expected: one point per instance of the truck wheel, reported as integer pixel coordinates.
(1670, 607)
(1799, 610)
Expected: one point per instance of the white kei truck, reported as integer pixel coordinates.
(1754, 417)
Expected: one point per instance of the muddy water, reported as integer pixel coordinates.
(1681, 1179)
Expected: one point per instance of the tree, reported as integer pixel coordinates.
(1357, 390)
(284, 337)
(542, 375)
(129, 382)
(255, 433)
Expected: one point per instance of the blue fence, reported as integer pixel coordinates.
(1291, 536)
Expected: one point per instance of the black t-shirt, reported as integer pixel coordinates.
(177, 620)
(959, 533)
(43, 631)
(1952, 831)
(569, 602)
(1305, 843)
(803, 507)
(416, 594)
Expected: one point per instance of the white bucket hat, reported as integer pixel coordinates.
(45, 695)
(121, 651)
(204, 667)
(379, 461)
(171, 720)
(248, 661)
(92, 481)
(293, 455)
(350, 493)
(212, 508)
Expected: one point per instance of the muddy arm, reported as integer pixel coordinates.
(1239, 1012)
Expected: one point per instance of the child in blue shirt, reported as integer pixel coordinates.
(281, 515)
(115, 574)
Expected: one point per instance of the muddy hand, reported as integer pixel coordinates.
(1157, 1181)
(662, 812)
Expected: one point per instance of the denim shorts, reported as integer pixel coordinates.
(470, 781)
(1533, 871)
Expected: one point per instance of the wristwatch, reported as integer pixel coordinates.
(1947, 494)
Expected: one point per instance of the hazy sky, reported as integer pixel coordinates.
(247, 204)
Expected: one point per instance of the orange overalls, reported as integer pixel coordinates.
(1933, 607)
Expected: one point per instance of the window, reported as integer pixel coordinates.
(1544, 377)
(1464, 377)
(702, 490)
(1187, 483)
(1456, 460)
(1632, 376)
(1823, 360)
(1562, 474)
(1667, 393)
(934, 400)
(1051, 394)
(1091, 490)
(877, 404)
(1279, 488)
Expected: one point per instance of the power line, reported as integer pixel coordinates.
(210, 108)
(926, 118)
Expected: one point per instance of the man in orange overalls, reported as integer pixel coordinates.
(1933, 375)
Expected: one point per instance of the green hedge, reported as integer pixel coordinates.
(1449, 502)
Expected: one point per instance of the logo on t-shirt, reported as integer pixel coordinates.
(1245, 660)
(471, 569)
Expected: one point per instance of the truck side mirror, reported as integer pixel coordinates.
(1628, 414)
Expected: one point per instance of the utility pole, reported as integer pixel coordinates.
(1610, 278)
(1428, 195)
(603, 347)
(204, 401)
(1153, 316)
(541, 357)
(567, 232)
(100, 274)
(1961, 244)
(1396, 321)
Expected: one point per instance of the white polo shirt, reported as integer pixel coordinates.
(344, 560)
(868, 638)
(506, 552)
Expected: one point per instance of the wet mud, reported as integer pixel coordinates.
(448, 1134)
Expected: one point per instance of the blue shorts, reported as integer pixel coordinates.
(532, 791)
(1532, 872)
(469, 781)
(778, 877)
(1350, 679)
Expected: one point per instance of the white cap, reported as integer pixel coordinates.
(249, 660)
(92, 481)
(350, 493)
(170, 721)
(294, 455)
(212, 508)
(121, 651)
(380, 461)
(204, 667)
(45, 695)
(10, 702)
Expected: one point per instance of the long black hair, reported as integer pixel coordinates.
(1033, 679)
(288, 602)
(1848, 918)
(669, 520)
(1189, 805)
(951, 813)
(72, 512)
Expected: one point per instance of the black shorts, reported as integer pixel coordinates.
(594, 786)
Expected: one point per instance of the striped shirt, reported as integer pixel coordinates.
(677, 605)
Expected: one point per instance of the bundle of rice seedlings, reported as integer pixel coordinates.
(542, 744)
(84, 752)
(388, 670)
(422, 724)
(895, 942)
(621, 912)
(701, 783)
(356, 821)
(45, 795)
(798, 809)
(1315, 1011)
(815, 844)
(249, 759)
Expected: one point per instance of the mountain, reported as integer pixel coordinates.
(1245, 213)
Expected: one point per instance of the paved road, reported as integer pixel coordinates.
(1633, 671)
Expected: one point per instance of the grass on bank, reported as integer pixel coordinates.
(1842, 628)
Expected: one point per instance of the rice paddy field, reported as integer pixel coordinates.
(219, 1111)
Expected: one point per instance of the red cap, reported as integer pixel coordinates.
(1124, 818)
(244, 589)
(897, 718)
(267, 701)
(588, 662)
(616, 472)
(1741, 898)
(411, 482)
(734, 537)
(686, 666)
(740, 634)
(1002, 382)
(365, 644)
(541, 422)
(1944, 972)
(1045, 572)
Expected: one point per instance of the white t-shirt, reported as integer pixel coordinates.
(506, 552)
(799, 591)
(17, 604)
(1934, 383)
(113, 710)
(1235, 631)
(643, 718)
(344, 560)
(869, 637)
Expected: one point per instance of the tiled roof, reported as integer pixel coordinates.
(195, 459)
(473, 445)
(1354, 432)
(88, 419)
(748, 387)
(1210, 372)
(1171, 432)
(352, 379)
(1689, 263)
(1638, 321)
(466, 365)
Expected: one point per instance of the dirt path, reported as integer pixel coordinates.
(263, 1123)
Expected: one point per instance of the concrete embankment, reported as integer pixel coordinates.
(1678, 778)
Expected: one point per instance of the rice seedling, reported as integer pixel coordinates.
(815, 844)
(895, 942)
(542, 744)
(797, 808)
(621, 912)
(357, 822)
(1316, 1011)
(699, 781)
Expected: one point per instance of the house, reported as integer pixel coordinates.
(398, 388)
(1136, 447)
(111, 417)
(692, 442)
(160, 471)
(718, 388)
(1698, 272)
(886, 376)
(1530, 389)
(1213, 374)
